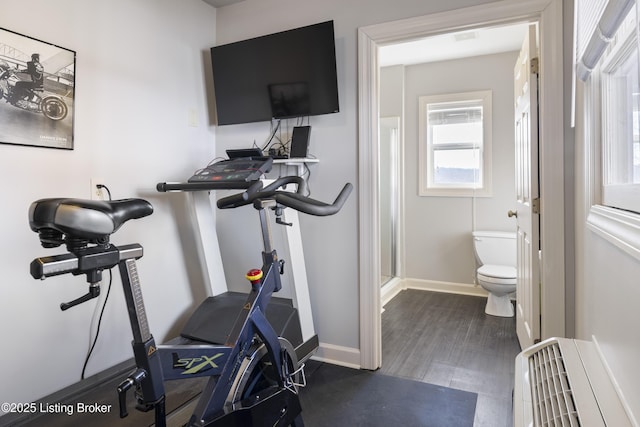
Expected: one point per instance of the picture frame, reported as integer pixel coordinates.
(37, 92)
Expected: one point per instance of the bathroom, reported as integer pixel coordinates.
(426, 243)
(433, 247)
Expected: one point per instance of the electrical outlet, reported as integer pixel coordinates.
(97, 193)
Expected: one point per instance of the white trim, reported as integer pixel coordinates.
(617, 190)
(391, 289)
(549, 15)
(552, 198)
(338, 355)
(483, 15)
(618, 227)
(369, 247)
(445, 287)
(623, 196)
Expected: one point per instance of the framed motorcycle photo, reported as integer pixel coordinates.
(37, 92)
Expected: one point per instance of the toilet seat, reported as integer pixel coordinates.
(498, 274)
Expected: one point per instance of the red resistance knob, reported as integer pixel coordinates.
(254, 276)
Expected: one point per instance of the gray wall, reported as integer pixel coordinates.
(139, 71)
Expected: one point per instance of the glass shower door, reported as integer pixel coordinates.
(388, 191)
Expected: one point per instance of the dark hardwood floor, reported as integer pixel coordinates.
(448, 340)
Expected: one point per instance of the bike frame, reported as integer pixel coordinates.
(158, 363)
(220, 362)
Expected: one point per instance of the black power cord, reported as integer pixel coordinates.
(95, 339)
(101, 186)
(104, 305)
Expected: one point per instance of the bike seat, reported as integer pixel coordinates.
(85, 219)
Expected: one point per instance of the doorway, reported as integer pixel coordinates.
(548, 13)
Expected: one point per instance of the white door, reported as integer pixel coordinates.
(527, 197)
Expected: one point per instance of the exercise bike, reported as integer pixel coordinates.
(254, 374)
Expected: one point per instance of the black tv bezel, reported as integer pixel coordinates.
(329, 105)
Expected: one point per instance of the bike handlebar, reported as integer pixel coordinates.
(312, 206)
(254, 188)
(295, 200)
(254, 191)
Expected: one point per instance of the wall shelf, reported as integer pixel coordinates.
(299, 163)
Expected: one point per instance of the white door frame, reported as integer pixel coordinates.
(548, 13)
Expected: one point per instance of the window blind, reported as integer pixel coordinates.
(596, 23)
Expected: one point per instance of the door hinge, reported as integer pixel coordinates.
(535, 205)
(535, 65)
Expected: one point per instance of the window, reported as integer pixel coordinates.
(620, 120)
(455, 144)
(608, 65)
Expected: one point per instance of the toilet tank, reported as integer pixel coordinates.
(495, 247)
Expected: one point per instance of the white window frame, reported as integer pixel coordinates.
(426, 158)
(617, 195)
(618, 226)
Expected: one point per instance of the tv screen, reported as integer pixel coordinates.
(286, 74)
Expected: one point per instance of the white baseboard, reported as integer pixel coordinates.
(390, 289)
(388, 292)
(338, 355)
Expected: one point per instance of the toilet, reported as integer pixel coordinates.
(496, 253)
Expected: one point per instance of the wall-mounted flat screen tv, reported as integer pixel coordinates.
(281, 75)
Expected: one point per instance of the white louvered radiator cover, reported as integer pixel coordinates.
(551, 390)
(562, 382)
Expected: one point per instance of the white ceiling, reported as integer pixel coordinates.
(462, 44)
